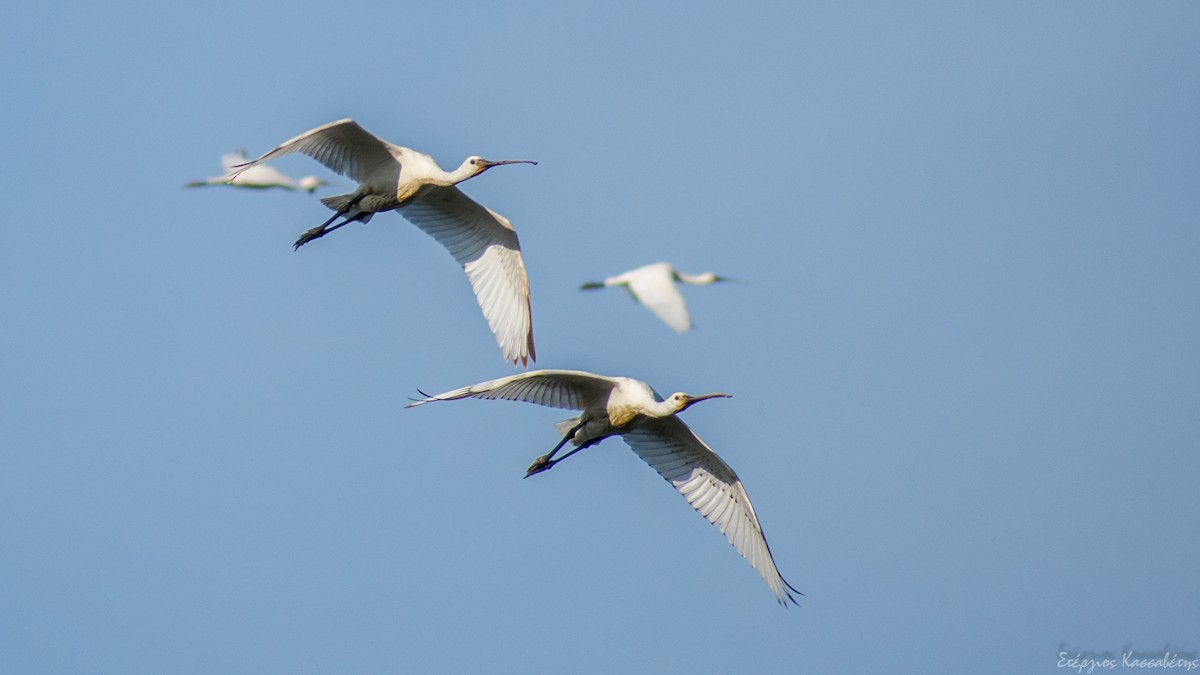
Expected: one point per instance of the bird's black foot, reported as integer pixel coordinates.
(315, 233)
(543, 463)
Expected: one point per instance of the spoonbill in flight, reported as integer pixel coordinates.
(620, 406)
(261, 177)
(393, 178)
(654, 286)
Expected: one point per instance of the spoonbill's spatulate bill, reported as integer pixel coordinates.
(260, 177)
(613, 406)
(654, 287)
(394, 178)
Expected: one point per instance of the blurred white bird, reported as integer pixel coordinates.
(390, 178)
(261, 177)
(654, 287)
(631, 409)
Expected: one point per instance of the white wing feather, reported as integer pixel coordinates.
(486, 245)
(658, 292)
(712, 488)
(344, 147)
(572, 389)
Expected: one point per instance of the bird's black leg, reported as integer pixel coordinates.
(324, 228)
(544, 462)
(318, 232)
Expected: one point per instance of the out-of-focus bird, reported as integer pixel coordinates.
(394, 178)
(621, 406)
(261, 177)
(654, 287)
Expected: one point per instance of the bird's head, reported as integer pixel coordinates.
(680, 401)
(478, 165)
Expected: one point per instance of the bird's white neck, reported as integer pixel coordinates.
(463, 172)
(660, 409)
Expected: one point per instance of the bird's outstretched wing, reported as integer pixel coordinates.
(486, 246)
(657, 291)
(712, 488)
(554, 388)
(343, 146)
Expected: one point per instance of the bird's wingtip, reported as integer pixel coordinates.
(787, 592)
(426, 398)
(522, 359)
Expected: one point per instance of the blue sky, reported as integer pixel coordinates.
(964, 367)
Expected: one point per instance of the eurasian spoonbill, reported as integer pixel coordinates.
(394, 178)
(613, 406)
(654, 287)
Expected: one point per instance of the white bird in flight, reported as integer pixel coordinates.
(394, 178)
(654, 287)
(629, 408)
(261, 177)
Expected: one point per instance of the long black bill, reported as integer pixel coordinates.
(489, 163)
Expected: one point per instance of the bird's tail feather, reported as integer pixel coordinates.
(337, 202)
(566, 425)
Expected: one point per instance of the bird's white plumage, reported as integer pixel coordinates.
(392, 177)
(711, 487)
(654, 286)
(659, 437)
(486, 246)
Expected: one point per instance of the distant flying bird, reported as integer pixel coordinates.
(620, 406)
(393, 178)
(261, 177)
(654, 287)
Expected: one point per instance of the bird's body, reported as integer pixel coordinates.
(654, 287)
(259, 177)
(612, 406)
(391, 177)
